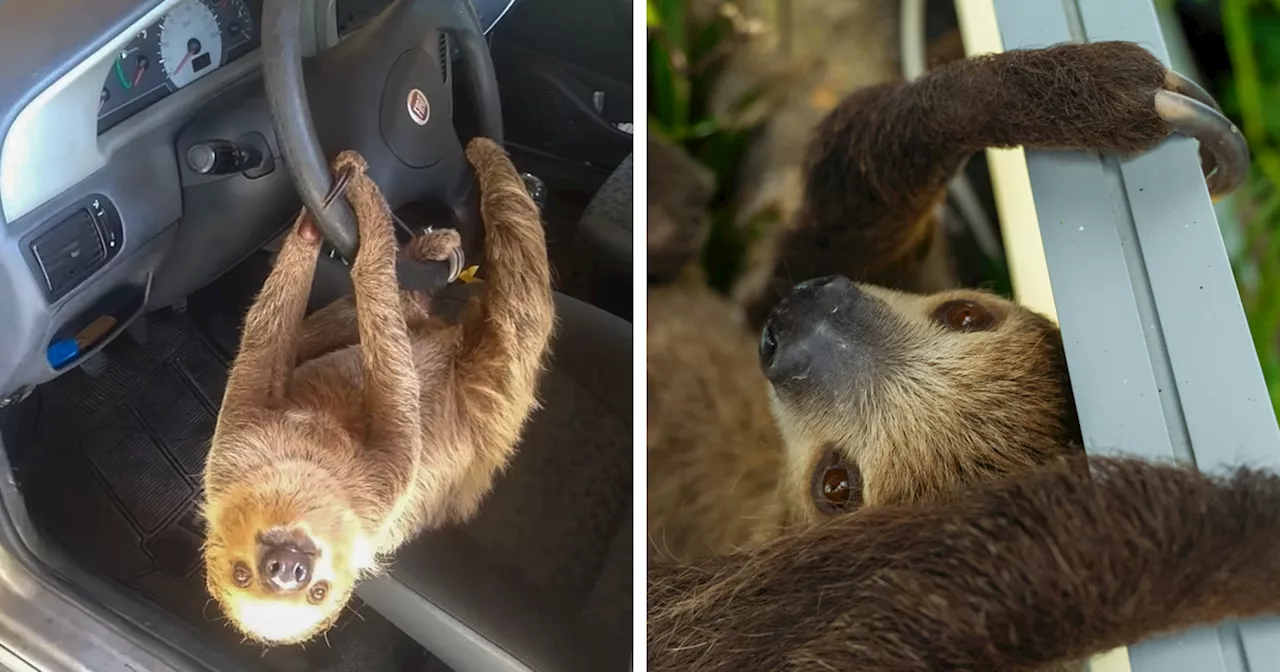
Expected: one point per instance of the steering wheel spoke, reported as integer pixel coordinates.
(386, 92)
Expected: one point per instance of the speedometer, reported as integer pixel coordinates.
(190, 42)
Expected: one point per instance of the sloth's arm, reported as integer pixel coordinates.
(1013, 576)
(505, 334)
(391, 387)
(269, 340)
(334, 326)
(880, 161)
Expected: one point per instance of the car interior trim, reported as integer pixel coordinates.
(53, 142)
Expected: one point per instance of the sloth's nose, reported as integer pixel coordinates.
(285, 568)
(799, 337)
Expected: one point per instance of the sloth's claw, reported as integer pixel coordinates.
(439, 245)
(1191, 111)
(1177, 83)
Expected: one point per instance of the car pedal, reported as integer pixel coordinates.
(95, 365)
(138, 331)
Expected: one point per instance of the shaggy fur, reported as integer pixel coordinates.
(345, 434)
(880, 162)
(1014, 575)
(916, 406)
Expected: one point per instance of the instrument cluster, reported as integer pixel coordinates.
(195, 38)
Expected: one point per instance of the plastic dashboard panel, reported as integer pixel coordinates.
(51, 143)
(1161, 360)
(51, 156)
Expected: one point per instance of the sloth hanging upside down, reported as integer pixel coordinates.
(344, 434)
(904, 488)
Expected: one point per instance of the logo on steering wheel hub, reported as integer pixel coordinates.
(419, 108)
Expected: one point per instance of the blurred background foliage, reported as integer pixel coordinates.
(1235, 45)
(1249, 90)
(687, 53)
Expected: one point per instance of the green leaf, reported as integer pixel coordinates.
(1244, 65)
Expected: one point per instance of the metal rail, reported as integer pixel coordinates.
(1161, 359)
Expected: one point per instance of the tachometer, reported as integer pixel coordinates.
(190, 42)
(237, 22)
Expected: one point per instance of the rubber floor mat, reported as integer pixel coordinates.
(116, 477)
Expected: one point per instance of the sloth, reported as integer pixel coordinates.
(344, 434)
(905, 486)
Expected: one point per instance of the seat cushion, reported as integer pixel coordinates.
(605, 231)
(541, 578)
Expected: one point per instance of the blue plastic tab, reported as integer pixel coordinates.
(60, 353)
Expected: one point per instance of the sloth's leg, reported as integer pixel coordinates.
(679, 218)
(269, 340)
(330, 328)
(507, 330)
(1014, 575)
(391, 386)
(334, 326)
(880, 162)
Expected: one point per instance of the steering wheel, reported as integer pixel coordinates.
(386, 92)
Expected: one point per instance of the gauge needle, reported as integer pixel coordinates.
(124, 83)
(182, 63)
(137, 77)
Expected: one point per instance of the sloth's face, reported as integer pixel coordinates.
(283, 553)
(885, 397)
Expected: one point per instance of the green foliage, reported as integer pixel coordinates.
(1252, 99)
(686, 57)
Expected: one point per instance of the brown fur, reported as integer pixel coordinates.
(880, 162)
(678, 222)
(916, 411)
(1014, 575)
(370, 421)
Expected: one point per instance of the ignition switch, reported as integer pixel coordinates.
(248, 154)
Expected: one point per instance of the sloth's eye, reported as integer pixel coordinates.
(836, 485)
(318, 592)
(964, 315)
(240, 575)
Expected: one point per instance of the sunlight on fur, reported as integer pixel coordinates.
(346, 433)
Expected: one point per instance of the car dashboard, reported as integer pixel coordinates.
(101, 217)
(192, 40)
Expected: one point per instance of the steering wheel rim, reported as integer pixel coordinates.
(299, 139)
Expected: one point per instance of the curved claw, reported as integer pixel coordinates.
(1177, 83)
(1229, 152)
(339, 186)
(457, 262)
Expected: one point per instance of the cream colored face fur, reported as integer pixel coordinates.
(283, 501)
(911, 404)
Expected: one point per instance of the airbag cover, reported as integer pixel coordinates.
(415, 118)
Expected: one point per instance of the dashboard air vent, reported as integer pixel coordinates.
(444, 58)
(81, 242)
(69, 252)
